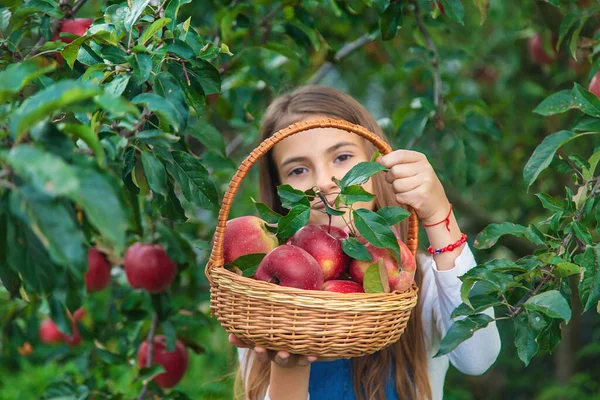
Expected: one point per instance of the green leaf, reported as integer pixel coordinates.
(209, 136)
(374, 228)
(155, 172)
(116, 105)
(565, 269)
(557, 103)
(207, 76)
(551, 203)
(46, 171)
(153, 29)
(133, 13)
(588, 102)
(99, 196)
(54, 226)
(461, 331)
(170, 207)
(356, 249)
(393, 214)
(160, 106)
(551, 303)
(294, 220)
(52, 140)
(355, 193)
(147, 373)
(544, 153)
(478, 303)
(490, 235)
(391, 20)
(376, 279)
(361, 173)
(582, 233)
(589, 286)
(167, 86)
(141, 65)
(588, 173)
(454, 10)
(171, 11)
(528, 327)
(110, 358)
(266, 213)
(248, 263)
(71, 50)
(291, 197)
(194, 180)
(16, 76)
(58, 96)
(90, 138)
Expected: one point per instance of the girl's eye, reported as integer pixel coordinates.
(297, 171)
(344, 157)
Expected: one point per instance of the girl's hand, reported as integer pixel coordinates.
(282, 358)
(416, 185)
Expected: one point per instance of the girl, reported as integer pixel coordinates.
(406, 369)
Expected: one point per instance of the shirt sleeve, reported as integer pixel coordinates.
(475, 355)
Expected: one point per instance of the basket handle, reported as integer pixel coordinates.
(216, 256)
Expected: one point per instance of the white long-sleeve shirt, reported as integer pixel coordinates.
(440, 293)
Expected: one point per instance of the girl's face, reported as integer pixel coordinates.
(311, 158)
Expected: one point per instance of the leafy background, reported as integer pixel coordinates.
(134, 131)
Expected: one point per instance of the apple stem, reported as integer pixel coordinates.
(150, 340)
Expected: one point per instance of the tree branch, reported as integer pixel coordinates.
(150, 341)
(435, 63)
(346, 50)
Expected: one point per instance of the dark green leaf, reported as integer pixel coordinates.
(589, 286)
(557, 103)
(170, 207)
(355, 193)
(147, 373)
(45, 103)
(266, 213)
(361, 173)
(168, 87)
(551, 303)
(551, 203)
(528, 327)
(193, 179)
(374, 228)
(393, 214)
(356, 249)
(291, 197)
(16, 76)
(110, 358)
(582, 232)
(544, 153)
(391, 20)
(478, 302)
(454, 10)
(248, 263)
(172, 9)
(162, 108)
(205, 74)
(588, 102)
(141, 64)
(490, 235)
(170, 335)
(461, 331)
(155, 172)
(52, 140)
(294, 220)
(209, 136)
(90, 138)
(116, 105)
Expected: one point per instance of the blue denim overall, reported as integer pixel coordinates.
(332, 380)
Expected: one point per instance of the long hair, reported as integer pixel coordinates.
(408, 355)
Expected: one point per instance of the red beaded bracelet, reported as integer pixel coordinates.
(450, 247)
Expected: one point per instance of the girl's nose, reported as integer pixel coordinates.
(324, 182)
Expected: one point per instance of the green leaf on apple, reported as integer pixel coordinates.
(356, 249)
(355, 193)
(376, 279)
(375, 229)
(461, 331)
(360, 173)
(393, 214)
(247, 263)
(266, 213)
(294, 220)
(291, 197)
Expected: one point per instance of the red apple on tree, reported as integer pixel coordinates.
(400, 277)
(289, 265)
(324, 243)
(77, 26)
(341, 286)
(74, 339)
(247, 235)
(594, 86)
(175, 363)
(148, 266)
(537, 50)
(49, 332)
(97, 276)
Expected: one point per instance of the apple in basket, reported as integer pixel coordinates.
(324, 243)
(247, 235)
(400, 276)
(289, 265)
(342, 286)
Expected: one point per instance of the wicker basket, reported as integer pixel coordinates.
(307, 322)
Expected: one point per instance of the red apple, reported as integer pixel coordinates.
(537, 51)
(595, 84)
(289, 265)
(343, 286)
(441, 7)
(400, 277)
(79, 314)
(324, 243)
(175, 363)
(75, 339)
(77, 26)
(148, 266)
(97, 276)
(247, 235)
(49, 332)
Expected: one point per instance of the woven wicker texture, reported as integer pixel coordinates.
(305, 322)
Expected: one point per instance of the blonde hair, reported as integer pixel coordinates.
(408, 355)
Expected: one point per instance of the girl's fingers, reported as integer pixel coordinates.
(237, 342)
(405, 185)
(400, 157)
(261, 354)
(282, 358)
(399, 171)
